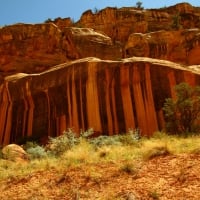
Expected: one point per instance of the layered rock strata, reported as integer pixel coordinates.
(182, 46)
(45, 88)
(119, 23)
(35, 48)
(108, 96)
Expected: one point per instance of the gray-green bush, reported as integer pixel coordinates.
(37, 152)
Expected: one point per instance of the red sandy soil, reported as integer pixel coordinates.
(174, 177)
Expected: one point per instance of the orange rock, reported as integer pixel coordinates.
(109, 96)
(50, 80)
(120, 23)
(35, 48)
(13, 152)
(181, 46)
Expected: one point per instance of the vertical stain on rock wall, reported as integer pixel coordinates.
(109, 96)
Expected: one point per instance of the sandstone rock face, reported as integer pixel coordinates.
(108, 96)
(179, 46)
(29, 48)
(63, 23)
(116, 23)
(120, 23)
(84, 42)
(13, 152)
(34, 48)
(108, 34)
(50, 80)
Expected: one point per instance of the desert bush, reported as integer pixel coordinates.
(129, 138)
(30, 144)
(58, 145)
(86, 134)
(36, 152)
(105, 141)
(182, 114)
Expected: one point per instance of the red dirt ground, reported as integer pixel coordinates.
(169, 177)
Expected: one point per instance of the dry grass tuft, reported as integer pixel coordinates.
(157, 151)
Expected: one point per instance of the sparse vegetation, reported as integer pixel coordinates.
(59, 145)
(95, 10)
(139, 5)
(183, 113)
(48, 20)
(99, 162)
(37, 152)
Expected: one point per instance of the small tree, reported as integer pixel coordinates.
(48, 20)
(95, 10)
(182, 114)
(139, 5)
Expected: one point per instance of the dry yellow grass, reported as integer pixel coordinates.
(110, 171)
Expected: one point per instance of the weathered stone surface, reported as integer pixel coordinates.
(120, 23)
(116, 23)
(84, 42)
(45, 89)
(181, 46)
(14, 152)
(34, 48)
(108, 96)
(62, 23)
(29, 48)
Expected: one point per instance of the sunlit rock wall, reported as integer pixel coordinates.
(108, 96)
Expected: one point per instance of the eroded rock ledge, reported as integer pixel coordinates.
(109, 96)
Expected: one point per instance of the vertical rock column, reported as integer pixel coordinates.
(126, 97)
(143, 98)
(93, 113)
(5, 114)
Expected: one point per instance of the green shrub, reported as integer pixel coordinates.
(29, 144)
(86, 134)
(139, 5)
(182, 114)
(129, 138)
(36, 152)
(105, 141)
(62, 143)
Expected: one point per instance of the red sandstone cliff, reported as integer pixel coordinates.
(45, 88)
(34, 48)
(182, 46)
(120, 23)
(110, 96)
